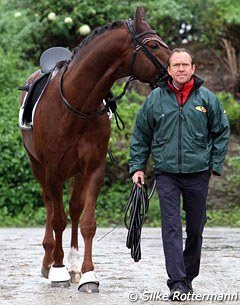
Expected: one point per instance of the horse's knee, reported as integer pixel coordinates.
(88, 228)
(75, 211)
(59, 222)
(48, 245)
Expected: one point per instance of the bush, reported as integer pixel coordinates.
(26, 29)
(232, 108)
(233, 178)
(18, 188)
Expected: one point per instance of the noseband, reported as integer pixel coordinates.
(138, 44)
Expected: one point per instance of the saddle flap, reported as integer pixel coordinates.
(35, 90)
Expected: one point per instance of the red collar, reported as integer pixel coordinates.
(183, 92)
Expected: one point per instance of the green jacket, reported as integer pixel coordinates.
(186, 139)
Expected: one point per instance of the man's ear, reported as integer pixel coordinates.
(194, 67)
(168, 70)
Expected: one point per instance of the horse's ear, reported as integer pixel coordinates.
(139, 16)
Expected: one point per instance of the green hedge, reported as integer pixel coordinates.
(20, 194)
(25, 31)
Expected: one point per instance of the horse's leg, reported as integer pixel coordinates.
(75, 210)
(92, 186)
(58, 274)
(48, 241)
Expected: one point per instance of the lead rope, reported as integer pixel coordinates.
(135, 213)
(128, 203)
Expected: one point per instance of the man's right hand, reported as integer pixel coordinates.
(136, 176)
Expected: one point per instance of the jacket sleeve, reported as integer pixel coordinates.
(141, 139)
(219, 129)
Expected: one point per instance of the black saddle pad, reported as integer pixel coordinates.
(34, 91)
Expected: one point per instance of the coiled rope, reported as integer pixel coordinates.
(125, 219)
(135, 213)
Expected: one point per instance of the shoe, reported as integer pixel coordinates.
(177, 291)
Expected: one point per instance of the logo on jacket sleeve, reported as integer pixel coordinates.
(201, 109)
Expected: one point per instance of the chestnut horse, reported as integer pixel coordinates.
(71, 130)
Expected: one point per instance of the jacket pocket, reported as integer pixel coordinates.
(159, 142)
(201, 141)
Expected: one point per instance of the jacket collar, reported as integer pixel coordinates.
(163, 84)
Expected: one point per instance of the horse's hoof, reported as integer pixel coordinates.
(75, 276)
(88, 282)
(45, 271)
(59, 277)
(88, 287)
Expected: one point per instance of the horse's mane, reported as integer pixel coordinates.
(85, 41)
(95, 33)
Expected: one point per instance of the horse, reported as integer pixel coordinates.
(70, 134)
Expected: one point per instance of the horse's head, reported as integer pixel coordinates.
(150, 52)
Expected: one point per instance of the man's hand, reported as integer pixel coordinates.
(136, 176)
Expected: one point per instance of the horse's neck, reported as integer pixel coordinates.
(93, 72)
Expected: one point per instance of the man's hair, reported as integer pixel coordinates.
(179, 50)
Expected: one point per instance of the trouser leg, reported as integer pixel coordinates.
(169, 195)
(194, 204)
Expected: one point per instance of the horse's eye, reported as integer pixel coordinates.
(154, 46)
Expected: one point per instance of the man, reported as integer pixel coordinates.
(185, 129)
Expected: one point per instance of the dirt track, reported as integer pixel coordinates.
(120, 278)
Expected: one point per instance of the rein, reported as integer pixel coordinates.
(134, 236)
(136, 210)
(73, 110)
(110, 104)
(137, 45)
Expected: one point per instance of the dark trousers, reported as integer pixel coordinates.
(182, 265)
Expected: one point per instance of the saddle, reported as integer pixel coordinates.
(48, 61)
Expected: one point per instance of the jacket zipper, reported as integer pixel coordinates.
(180, 135)
(180, 129)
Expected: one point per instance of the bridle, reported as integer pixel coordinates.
(137, 45)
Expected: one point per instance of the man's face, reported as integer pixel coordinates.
(181, 68)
